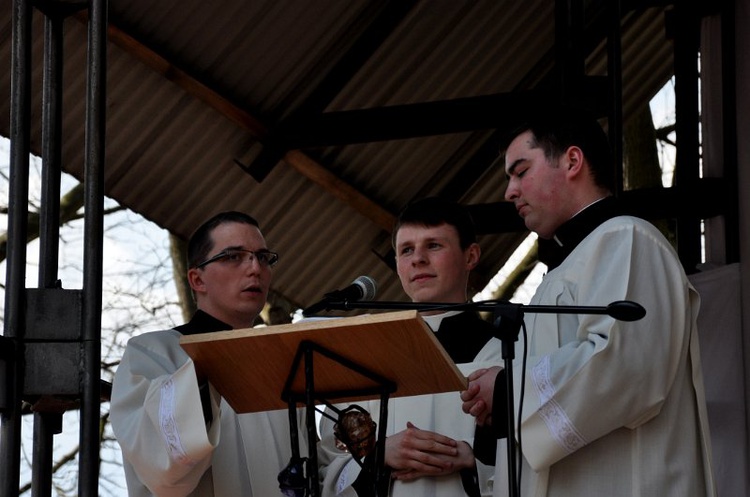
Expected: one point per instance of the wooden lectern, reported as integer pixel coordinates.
(250, 367)
(346, 359)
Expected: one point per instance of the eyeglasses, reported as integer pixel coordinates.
(235, 258)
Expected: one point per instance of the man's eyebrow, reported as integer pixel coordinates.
(240, 247)
(509, 170)
(428, 240)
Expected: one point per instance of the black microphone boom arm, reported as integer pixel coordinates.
(622, 310)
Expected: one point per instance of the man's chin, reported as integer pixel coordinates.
(532, 226)
(252, 309)
(424, 296)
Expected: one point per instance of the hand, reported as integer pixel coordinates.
(464, 458)
(477, 399)
(413, 453)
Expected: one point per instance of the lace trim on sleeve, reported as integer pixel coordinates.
(557, 421)
(169, 424)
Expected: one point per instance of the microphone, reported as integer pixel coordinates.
(362, 288)
(625, 310)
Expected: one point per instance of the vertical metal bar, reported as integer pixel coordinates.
(614, 71)
(382, 477)
(729, 115)
(20, 118)
(93, 243)
(312, 464)
(49, 222)
(47, 424)
(686, 108)
(508, 322)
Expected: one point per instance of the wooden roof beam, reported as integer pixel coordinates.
(303, 164)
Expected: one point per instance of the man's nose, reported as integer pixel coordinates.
(511, 191)
(420, 256)
(251, 264)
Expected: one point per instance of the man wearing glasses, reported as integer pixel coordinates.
(178, 436)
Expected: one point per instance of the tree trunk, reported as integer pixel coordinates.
(178, 251)
(642, 168)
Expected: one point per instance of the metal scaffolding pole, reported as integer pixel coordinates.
(93, 246)
(47, 329)
(48, 424)
(20, 117)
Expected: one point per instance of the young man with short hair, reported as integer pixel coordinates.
(178, 436)
(612, 407)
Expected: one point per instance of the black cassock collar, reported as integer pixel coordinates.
(567, 237)
(202, 322)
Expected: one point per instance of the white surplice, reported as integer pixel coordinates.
(440, 413)
(167, 448)
(613, 408)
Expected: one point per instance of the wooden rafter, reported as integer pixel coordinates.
(302, 163)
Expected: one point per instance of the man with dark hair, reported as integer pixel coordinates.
(612, 407)
(429, 446)
(435, 211)
(178, 436)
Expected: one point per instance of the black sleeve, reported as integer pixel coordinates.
(470, 482)
(500, 406)
(485, 437)
(485, 444)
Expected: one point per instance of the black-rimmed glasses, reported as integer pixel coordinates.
(235, 257)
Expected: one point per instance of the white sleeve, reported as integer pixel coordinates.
(157, 417)
(584, 365)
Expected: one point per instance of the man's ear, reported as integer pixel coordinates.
(574, 160)
(473, 253)
(195, 278)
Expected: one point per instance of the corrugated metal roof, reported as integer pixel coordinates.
(170, 151)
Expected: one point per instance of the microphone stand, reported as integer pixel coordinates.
(508, 319)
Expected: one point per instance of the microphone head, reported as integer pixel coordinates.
(626, 310)
(368, 285)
